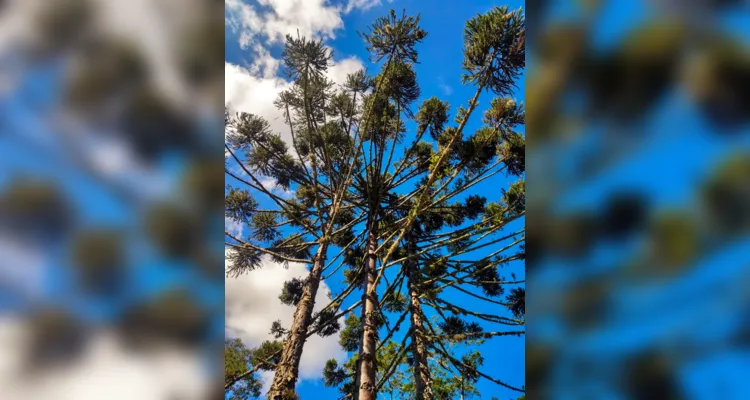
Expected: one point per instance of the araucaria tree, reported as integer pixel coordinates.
(314, 162)
(393, 192)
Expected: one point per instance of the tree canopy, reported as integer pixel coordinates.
(392, 198)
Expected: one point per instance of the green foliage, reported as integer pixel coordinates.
(514, 199)
(343, 238)
(237, 361)
(264, 226)
(478, 150)
(248, 129)
(453, 325)
(291, 292)
(474, 206)
(100, 258)
(517, 302)
(513, 152)
(487, 277)
(504, 115)
(357, 82)
(353, 257)
(471, 362)
(495, 50)
(432, 115)
(293, 247)
(302, 56)
(397, 302)
(241, 260)
(334, 374)
(725, 195)
(350, 336)
(277, 330)
(267, 352)
(675, 239)
(239, 205)
(399, 83)
(266, 153)
(383, 119)
(325, 323)
(395, 37)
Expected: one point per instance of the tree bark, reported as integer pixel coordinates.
(422, 377)
(287, 371)
(367, 366)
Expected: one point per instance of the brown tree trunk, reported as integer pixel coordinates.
(287, 371)
(422, 377)
(367, 366)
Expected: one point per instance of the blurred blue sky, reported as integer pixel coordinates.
(676, 149)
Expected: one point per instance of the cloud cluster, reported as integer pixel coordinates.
(274, 19)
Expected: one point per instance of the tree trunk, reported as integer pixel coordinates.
(422, 377)
(367, 366)
(287, 371)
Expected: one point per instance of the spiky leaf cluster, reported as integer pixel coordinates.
(350, 336)
(495, 50)
(394, 37)
(242, 259)
(267, 355)
(453, 325)
(237, 361)
(517, 302)
(432, 116)
(325, 322)
(291, 292)
(239, 205)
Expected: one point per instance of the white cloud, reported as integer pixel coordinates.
(447, 89)
(244, 91)
(106, 370)
(313, 18)
(362, 5)
(252, 305)
(233, 227)
(340, 69)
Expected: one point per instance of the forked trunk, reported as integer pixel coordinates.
(287, 371)
(422, 377)
(367, 367)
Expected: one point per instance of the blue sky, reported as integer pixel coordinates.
(439, 72)
(94, 201)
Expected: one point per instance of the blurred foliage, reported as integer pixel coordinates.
(109, 179)
(100, 258)
(611, 87)
(173, 316)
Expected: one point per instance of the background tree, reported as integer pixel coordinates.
(241, 365)
(317, 167)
